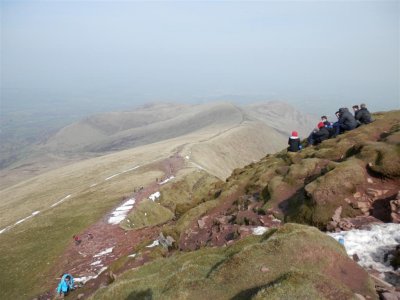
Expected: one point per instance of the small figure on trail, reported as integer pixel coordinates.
(66, 285)
(294, 142)
(77, 239)
(362, 115)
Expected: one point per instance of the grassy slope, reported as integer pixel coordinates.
(38, 242)
(234, 272)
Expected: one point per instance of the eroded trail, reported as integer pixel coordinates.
(105, 242)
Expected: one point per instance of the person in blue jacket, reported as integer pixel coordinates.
(66, 285)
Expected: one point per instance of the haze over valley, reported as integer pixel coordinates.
(144, 150)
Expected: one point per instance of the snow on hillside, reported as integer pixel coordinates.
(154, 196)
(371, 244)
(121, 212)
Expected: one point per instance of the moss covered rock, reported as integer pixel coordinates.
(293, 262)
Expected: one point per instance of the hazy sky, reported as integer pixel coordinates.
(322, 54)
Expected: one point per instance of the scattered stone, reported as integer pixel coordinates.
(264, 269)
(111, 276)
(389, 296)
(355, 257)
(336, 215)
(369, 180)
(166, 242)
(347, 200)
(395, 211)
(201, 223)
(359, 297)
(80, 296)
(357, 195)
(230, 236)
(223, 220)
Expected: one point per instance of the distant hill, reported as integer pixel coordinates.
(217, 128)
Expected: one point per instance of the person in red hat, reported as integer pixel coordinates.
(319, 135)
(294, 142)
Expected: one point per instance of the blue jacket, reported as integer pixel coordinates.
(63, 286)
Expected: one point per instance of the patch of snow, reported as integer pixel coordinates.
(131, 169)
(145, 213)
(166, 180)
(259, 230)
(132, 255)
(28, 217)
(5, 229)
(116, 220)
(127, 207)
(154, 196)
(187, 157)
(119, 214)
(130, 202)
(371, 244)
(85, 279)
(112, 176)
(97, 262)
(198, 166)
(93, 185)
(60, 201)
(155, 243)
(108, 250)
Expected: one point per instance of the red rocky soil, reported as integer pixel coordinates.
(77, 259)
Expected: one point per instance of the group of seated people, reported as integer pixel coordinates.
(325, 129)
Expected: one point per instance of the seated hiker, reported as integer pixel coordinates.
(321, 135)
(294, 142)
(328, 125)
(66, 285)
(356, 109)
(336, 125)
(363, 115)
(346, 121)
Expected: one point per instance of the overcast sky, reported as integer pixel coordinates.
(313, 54)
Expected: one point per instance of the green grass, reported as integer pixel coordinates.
(30, 251)
(147, 213)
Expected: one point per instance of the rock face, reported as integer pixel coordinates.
(292, 262)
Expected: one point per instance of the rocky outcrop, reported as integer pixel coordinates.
(342, 183)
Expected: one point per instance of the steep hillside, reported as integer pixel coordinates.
(342, 183)
(339, 184)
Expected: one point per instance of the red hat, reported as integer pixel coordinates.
(294, 133)
(320, 125)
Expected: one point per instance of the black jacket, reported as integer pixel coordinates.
(363, 116)
(321, 135)
(347, 119)
(294, 144)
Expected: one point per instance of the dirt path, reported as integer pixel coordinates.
(103, 243)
